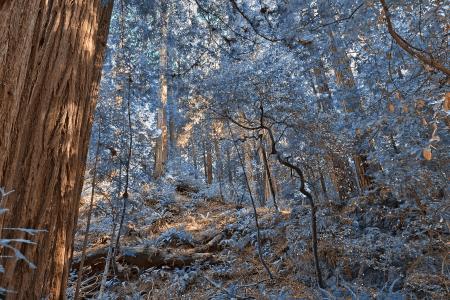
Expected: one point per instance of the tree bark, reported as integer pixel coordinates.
(50, 65)
(161, 151)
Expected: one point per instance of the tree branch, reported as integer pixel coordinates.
(411, 50)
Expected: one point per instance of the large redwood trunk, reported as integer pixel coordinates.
(51, 54)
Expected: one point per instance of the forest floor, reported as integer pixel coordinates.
(207, 249)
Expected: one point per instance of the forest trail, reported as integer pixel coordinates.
(196, 249)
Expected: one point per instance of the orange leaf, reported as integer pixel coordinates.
(391, 107)
(447, 101)
(427, 154)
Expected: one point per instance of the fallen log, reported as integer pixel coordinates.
(143, 258)
(95, 259)
(148, 257)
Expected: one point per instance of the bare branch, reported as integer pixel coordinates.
(411, 50)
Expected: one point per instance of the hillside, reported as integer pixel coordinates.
(204, 248)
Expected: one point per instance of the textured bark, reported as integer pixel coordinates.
(51, 56)
(161, 151)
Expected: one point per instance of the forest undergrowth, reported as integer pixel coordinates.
(192, 246)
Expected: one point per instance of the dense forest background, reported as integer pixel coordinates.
(260, 149)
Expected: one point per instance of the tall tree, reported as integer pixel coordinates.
(161, 151)
(50, 65)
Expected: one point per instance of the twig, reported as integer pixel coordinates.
(258, 234)
(344, 18)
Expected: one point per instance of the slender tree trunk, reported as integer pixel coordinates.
(219, 166)
(194, 159)
(209, 164)
(125, 195)
(248, 160)
(172, 118)
(161, 151)
(230, 176)
(50, 65)
(314, 233)
(265, 180)
(268, 175)
(229, 167)
(260, 179)
(205, 164)
(247, 182)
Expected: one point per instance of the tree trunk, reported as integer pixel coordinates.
(348, 91)
(219, 165)
(161, 151)
(50, 65)
(269, 187)
(209, 164)
(229, 167)
(194, 159)
(250, 172)
(261, 179)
